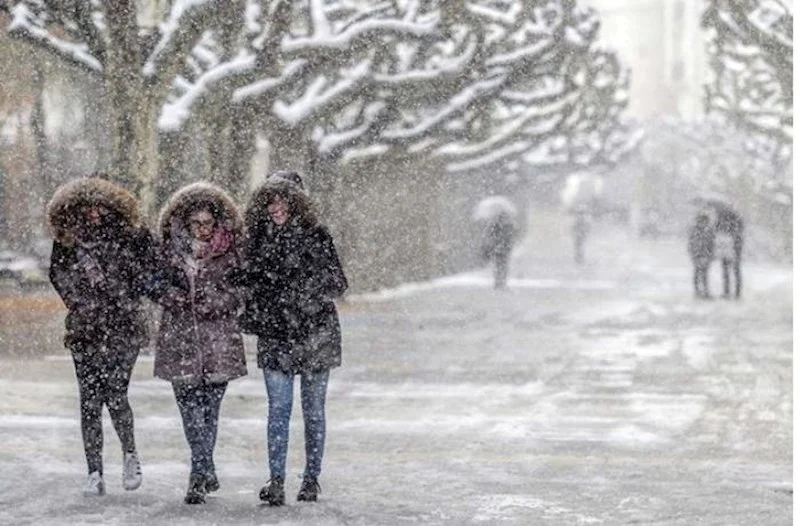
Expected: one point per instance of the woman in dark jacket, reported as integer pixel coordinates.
(199, 347)
(100, 264)
(292, 275)
(701, 252)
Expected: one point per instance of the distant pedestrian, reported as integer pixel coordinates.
(701, 252)
(581, 226)
(498, 241)
(199, 347)
(293, 274)
(100, 263)
(497, 218)
(729, 228)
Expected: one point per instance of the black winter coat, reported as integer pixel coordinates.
(730, 222)
(108, 312)
(101, 283)
(499, 238)
(701, 244)
(293, 273)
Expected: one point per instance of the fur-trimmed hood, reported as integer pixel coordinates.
(195, 193)
(301, 207)
(62, 208)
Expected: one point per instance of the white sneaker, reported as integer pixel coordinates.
(131, 471)
(95, 487)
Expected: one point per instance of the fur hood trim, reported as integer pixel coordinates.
(89, 190)
(195, 193)
(301, 206)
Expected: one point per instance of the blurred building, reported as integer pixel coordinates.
(663, 44)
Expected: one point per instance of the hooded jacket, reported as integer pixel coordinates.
(292, 273)
(198, 336)
(100, 271)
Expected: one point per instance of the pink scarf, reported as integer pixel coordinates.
(219, 243)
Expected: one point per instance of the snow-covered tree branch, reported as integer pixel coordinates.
(473, 83)
(751, 58)
(521, 81)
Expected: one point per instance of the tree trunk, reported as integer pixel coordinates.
(4, 208)
(37, 128)
(218, 144)
(242, 148)
(290, 150)
(173, 150)
(123, 85)
(146, 152)
(134, 107)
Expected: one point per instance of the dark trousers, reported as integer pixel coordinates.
(199, 406)
(501, 264)
(103, 374)
(701, 280)
(731, 266)
(578, 244)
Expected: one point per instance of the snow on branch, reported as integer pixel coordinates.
(547, 119)
(453, 107)
(269, 84)
(512, 150)
(751, 54)
(175, 112)
(357, 33)
(179, 33)
(26, 25)
(318, 95)
(339, 139)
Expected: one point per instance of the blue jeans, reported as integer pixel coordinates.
(280, 394)
(199, 407)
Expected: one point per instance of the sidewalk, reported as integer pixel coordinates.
(595, 395)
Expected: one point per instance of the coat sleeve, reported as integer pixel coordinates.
(224, 298)
(326, 278)
(168, 286)
(245, 275)
(68, 283)
(145, 279)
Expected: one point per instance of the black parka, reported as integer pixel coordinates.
(292, 275)
(105, 308)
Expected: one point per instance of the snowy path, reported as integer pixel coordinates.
(602, 395)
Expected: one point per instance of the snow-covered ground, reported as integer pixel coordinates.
(595, 395)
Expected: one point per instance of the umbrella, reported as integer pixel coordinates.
(494, 206)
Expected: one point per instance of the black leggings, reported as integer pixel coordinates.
(103, 376)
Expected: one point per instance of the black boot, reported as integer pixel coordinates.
(196, 494)
(309, 490)
(273, 493)
(212, 483)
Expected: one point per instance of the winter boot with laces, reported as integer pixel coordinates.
(95, 487)
(212, 482)
(273, 493)
(131, 471)
(309, 490)
(196, 494)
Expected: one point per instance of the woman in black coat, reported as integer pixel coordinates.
(101, 264)
(292, 275)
